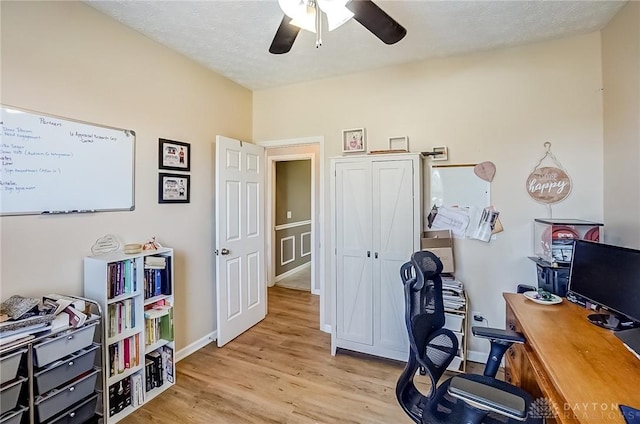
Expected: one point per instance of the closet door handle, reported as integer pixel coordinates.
(376, 255)
(368, 253)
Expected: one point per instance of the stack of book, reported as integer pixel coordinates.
(159, 367)
(452, 293)
(158, 322)
(122, 317)
(124, 354)
(119, 396)
(156, 276)
(122, 277)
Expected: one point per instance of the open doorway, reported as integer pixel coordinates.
(304, 149)
(291, 247)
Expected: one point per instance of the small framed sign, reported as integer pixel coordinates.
(353, 140)
(174, 188)
(400, 143)
(174, 155)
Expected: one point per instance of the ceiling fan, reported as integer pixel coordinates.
(305, 14)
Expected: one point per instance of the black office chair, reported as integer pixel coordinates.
(465, 398)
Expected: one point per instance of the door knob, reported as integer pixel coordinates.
(224, 251)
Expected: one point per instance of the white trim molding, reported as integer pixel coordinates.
(292, 225)
(302, 236)
(292, 271)
(319, 255)
(293, 250)
(195, 346)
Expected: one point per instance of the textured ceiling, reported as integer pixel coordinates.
(233, 37)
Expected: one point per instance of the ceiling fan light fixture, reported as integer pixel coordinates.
(301, 12)
(336, 11)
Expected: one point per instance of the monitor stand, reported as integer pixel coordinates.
(608, 321)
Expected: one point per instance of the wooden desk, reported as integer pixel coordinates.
(583, 369)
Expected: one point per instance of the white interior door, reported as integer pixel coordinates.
(241, 287)
(354, 290)
(393, 218)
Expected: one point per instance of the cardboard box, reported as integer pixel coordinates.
(440, 243)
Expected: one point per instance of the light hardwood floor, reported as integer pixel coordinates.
(301, 280)
(280, 371)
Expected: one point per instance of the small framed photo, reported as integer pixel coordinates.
(174, 155)
(399, 143)
(174, 188)
(353, 140)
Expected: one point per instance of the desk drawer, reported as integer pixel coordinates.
(65, 370)
(58, 347)
(61, 399)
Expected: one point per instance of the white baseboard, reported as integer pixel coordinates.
(326, 328)
(292, 271)
(198, 344)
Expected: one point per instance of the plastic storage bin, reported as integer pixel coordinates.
(14, 417)
(553, 238)
(56, 348)
(64, 370)
(63, 398)
(9, 395)
(9, 365)
(79, 413)
(453, 322)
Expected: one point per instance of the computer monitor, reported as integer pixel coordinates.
(608, 276)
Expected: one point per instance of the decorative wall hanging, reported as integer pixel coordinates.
(174, 155)
(485, 170)
(353, 140)
(548, 184)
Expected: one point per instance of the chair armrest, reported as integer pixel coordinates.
(498, 334)
(488, 398)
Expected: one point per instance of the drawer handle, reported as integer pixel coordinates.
(512, 352)
(70, 337)
(512, 327)
(70, 363)
(72, 388)
(71, 415)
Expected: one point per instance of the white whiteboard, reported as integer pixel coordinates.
(56, 165)
(458, 185)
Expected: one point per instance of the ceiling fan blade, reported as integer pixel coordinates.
(285, 36)
(377, 21)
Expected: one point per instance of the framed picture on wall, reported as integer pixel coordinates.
(353, 140)
(174, 188)
(174, 155)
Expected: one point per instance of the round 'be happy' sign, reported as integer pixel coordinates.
(548, 185)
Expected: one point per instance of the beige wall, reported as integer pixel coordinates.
(621, 82)
(66, 59)
(500, 106)
(293, 191)
(293, 194)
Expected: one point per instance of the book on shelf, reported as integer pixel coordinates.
(119, 396)
(167, 364)
(156, 368)
(138, 390)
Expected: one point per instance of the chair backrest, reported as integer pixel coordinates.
(431, 346)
